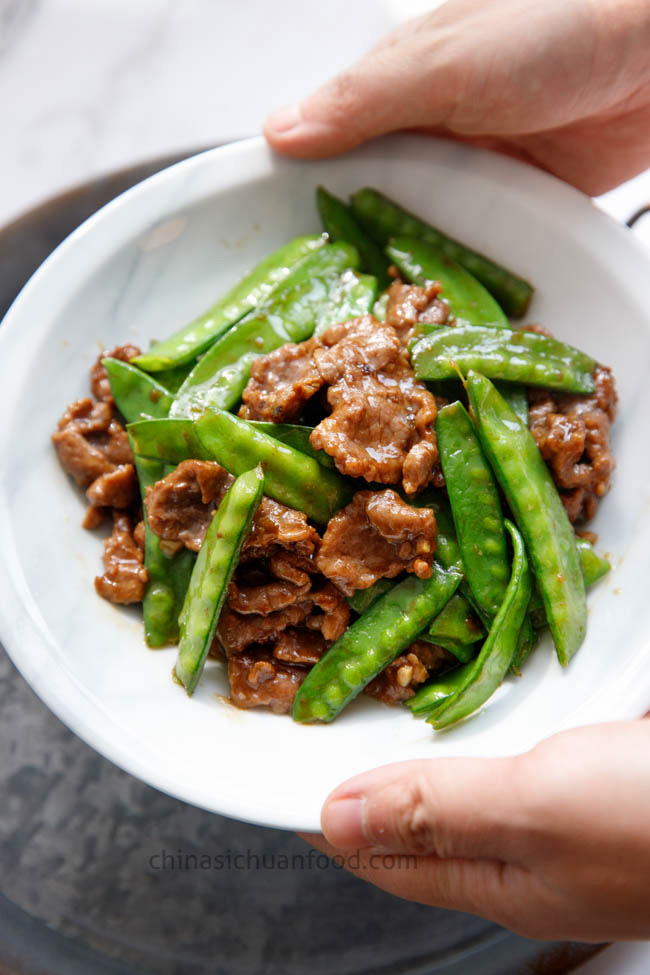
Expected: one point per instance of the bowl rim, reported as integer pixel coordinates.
(131, 212)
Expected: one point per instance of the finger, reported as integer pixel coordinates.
(390, 89)
(490, 888)
(445, 807)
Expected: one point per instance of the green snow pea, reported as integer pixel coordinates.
(423, 263)
(500, 353)
(538, 511)
(363, 599)
(594, 567)
(169, 440)
(290, 315)
(435, 695)
(212, 573)
(169, 575)
(475, 506)
(371, 643)
(173, 379)
(379, 307)
(352, 297)
(486, 673)
(456, 628)
(383, 219)
(136, 394)
(291, 477)
(296, 436)
(255, 287)
(341, 224)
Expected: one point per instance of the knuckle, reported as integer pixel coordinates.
(413, 822)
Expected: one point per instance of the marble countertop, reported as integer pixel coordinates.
(92, 85)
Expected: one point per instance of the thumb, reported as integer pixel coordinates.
(453, 807)
(383, 92)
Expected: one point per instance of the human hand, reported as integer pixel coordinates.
(554, 843)
(563, 84)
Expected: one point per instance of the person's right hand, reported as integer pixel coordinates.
(564, 84)
(553, 843)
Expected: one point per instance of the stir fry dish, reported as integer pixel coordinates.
(352, 473)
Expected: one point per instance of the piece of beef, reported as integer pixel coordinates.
(298, 646)
(330, 613)
(410, 303)
(125, 577)
(99, 384)
(281, 382)
(401, 678)
(270, 591)
(276, 527)
(257, 679)
(181, 505)
(572, 433)
(381, 426)
(237, 631)
(377, 536)
(115, 489)
(90, 442)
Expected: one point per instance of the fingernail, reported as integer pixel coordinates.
(342, 824)
(284, 119)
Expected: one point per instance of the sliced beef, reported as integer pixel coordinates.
(277, 527)
(410, 303)
(330, 613)
(79, 440)
(401, 678)
(377, 536)
(572, 433)
(237, 631)
(302, 647)
(259, 680)
(181, 505)
(116, 489)
(99, 384)
(270, 591)
(281, 383)
(125, 577)
(380, 412)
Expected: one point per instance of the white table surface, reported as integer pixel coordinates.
(87, 86)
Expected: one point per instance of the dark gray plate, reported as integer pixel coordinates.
(81, 890)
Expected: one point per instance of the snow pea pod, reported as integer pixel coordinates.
(296, 436)
(500, 353)
(363, 599)
(136, 394)
(353, 296)
(341, 224)
(486, 673)
(594, 567)
(434, 696)
(291, 477)
(371, 643)
(383, 219)
(255, 287)
(169, 440)
(456, 628)
(212, 573)
(538, 511)
(475, 506)
(421, 262)
(290, 315)
(169, 575)
(173, 379)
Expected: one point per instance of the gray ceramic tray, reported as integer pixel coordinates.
(80, 886)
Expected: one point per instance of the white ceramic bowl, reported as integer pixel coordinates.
(153, 259)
